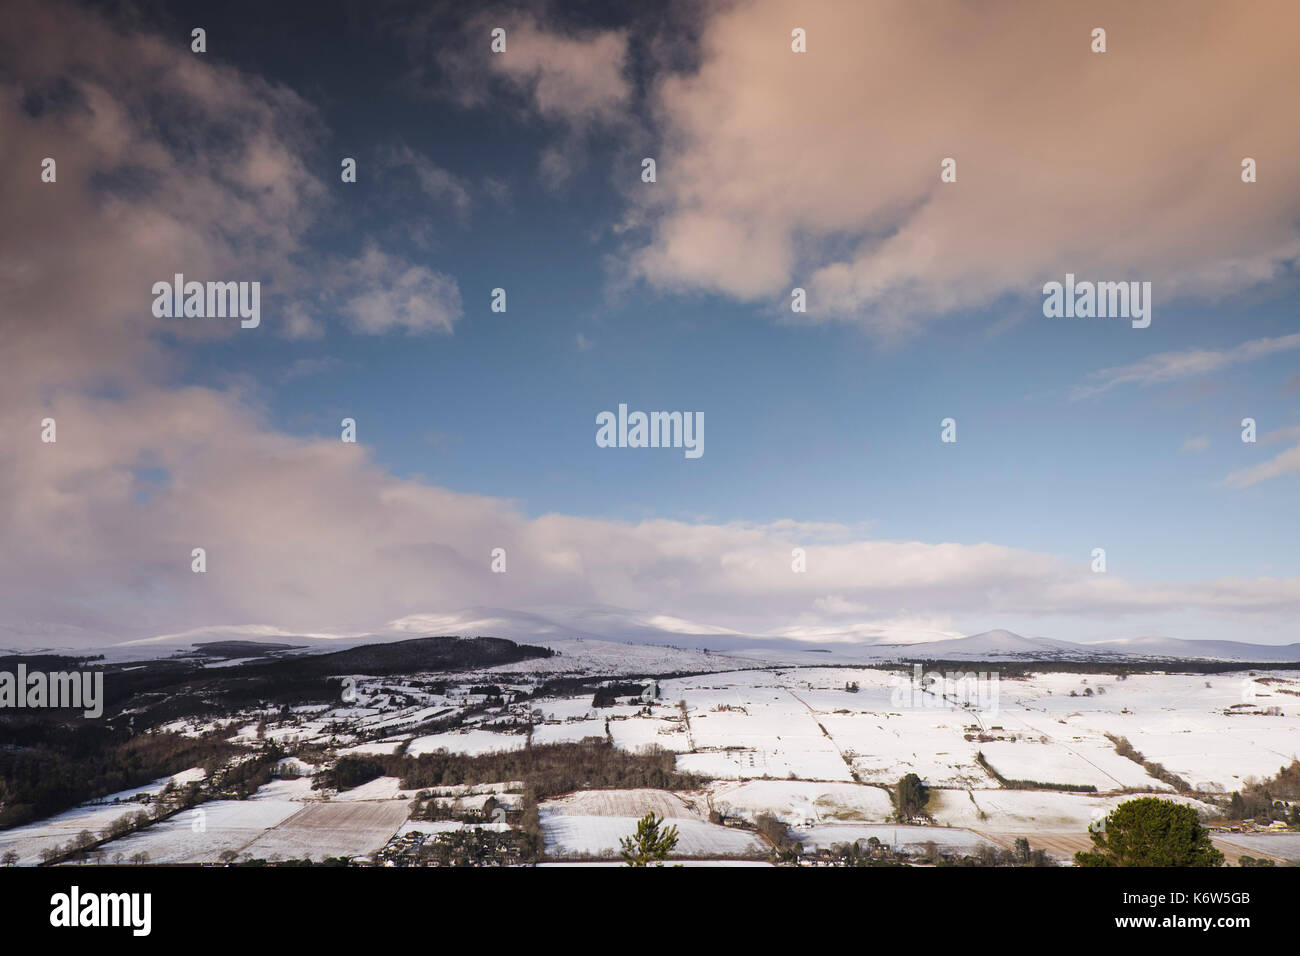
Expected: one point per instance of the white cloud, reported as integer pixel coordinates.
(1174, 366)
(821, 169)
(579, 80)
(575, 80)
(1286, 463)
(313, 537)
(386, 292)
(227, 194)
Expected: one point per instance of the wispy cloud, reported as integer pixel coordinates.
(577, 80)
(1286, 463)
(1174, 366)
(439, 184)
(382, 292)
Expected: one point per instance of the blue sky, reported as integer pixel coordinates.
(675, 296)
(816, 424)
(820, 425)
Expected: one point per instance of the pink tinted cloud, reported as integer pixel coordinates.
(821, 169)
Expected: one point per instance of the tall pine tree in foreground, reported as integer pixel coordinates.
(1151, 832)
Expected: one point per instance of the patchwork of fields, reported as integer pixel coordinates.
(818, 748)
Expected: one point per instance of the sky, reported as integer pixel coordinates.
(775, 170)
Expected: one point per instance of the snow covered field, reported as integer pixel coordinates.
(28, 841)
(1029, 810)
(592, 822)
(600, 835)
(284, 819)
(900, 838)
(630, 803)
(470, 742)
(194, 837)
(815, 746)
(1050, 728)
(800, 803)
(337, 828)
(1284, 846)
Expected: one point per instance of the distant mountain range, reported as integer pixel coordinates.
(547, 626)
(620, 624)
(1007, 645)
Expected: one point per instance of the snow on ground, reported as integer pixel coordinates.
(637, 733)
(575, 708)
(335, 828)
(466, 742)
(1217, 755)
(201, 834)
(297, 788)
(285, 818)
(511, 801)
(571, 732)
(631, 803)
(727, 863)
(381, 788)
(380, 747)
(749, 724)
(908, 839)
(578, 656)
(1285, 846)
(464, 789)
(232, 662)
(804, 743)
(409, 716)
(930, 743)
(1209, 729)
(779, 722)
(783, 721)
(1062, 764)
(298, 766)
(772, 760)
(447, 826)
(1029, 810)
(800, 802)
(28, 841)
(153, 788)
(600, 836)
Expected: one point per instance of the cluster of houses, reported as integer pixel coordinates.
(467, 846)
